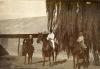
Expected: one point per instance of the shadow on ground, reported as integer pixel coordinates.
(60, 62)
(55, 63)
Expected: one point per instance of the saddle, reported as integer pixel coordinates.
(50, 43)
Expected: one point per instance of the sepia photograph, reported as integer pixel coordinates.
(49, 34)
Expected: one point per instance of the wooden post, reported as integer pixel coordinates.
(18, 46)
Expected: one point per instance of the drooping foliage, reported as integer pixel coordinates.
(69, 17)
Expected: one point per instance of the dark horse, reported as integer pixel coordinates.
(27, 50)
(47, 49)
(80, 57)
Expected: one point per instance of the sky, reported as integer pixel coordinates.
(12, 9)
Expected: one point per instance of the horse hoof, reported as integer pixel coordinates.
(43, 64)
(51, 65)
(73, 66)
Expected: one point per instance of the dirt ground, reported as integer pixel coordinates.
(17, 62)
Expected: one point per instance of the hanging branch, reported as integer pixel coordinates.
(69, 17)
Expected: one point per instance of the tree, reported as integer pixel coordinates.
(69, 17)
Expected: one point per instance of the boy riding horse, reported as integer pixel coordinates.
(80, 40)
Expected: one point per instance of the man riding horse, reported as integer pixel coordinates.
(51, 37)
(28, 48)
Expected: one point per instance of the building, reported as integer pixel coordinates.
(21, 17)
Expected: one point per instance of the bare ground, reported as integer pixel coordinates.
(17, 62)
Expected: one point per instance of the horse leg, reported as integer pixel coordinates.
(74, 62)
(79, 66)
(28, 59)
(55, 56)
(25, 59)
(44, 61)
(31, 59)
(49, 60)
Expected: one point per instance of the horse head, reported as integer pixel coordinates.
(40, 37)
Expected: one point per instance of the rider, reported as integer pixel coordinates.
(30, 41)
(51, 37)
(80, 40)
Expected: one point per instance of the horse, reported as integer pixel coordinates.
(27, 50)
(47, 49)
(80, 58)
